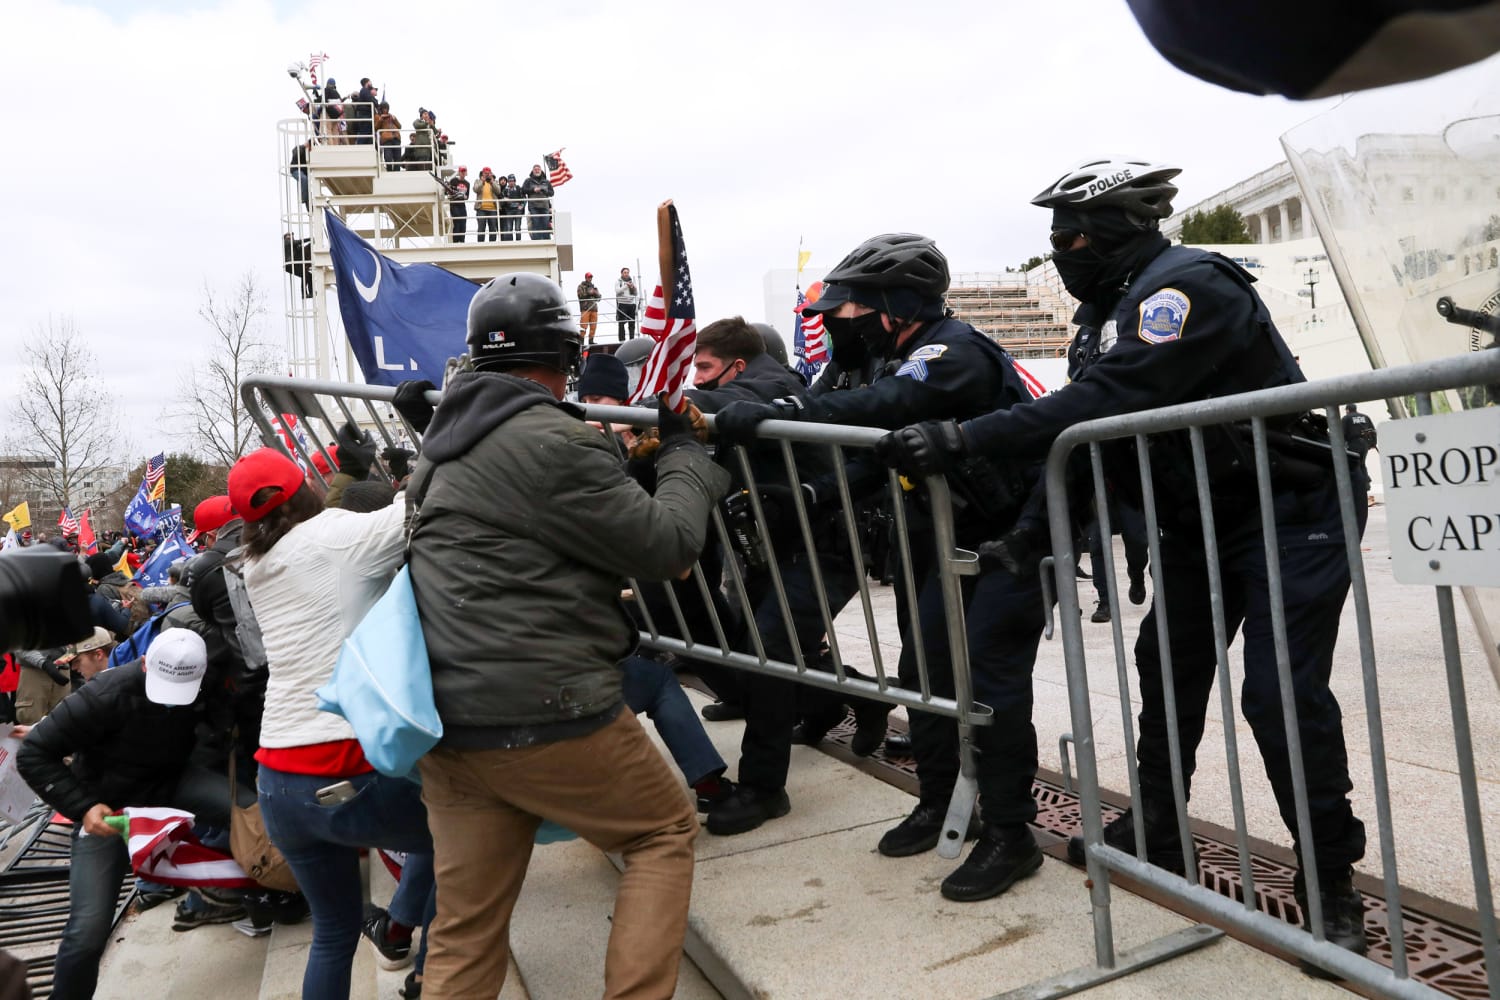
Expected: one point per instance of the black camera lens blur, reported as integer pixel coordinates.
(44, 599)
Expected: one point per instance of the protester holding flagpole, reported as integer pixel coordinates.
(519, 490)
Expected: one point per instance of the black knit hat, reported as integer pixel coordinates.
(603, 375)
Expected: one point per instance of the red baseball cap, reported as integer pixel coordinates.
(588, 274)
(321, 464)
(262, 469)
(463, 170)
(211, 515)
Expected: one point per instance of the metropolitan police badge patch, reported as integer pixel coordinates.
(1163, 315)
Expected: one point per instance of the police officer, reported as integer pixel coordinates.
(1160, 325)
(888, 293)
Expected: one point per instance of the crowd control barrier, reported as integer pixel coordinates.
(1252, 409)
(694, 618)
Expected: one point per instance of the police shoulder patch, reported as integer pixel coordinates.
(1164, 313)
(914, 369)
(928, 352)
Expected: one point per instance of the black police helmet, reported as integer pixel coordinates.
(775, 346)
(522, 319)
(894, 260)
(635, 351)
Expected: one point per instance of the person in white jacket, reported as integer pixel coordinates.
(311, 574)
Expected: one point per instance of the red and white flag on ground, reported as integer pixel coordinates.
(163, 849)
(671, 317)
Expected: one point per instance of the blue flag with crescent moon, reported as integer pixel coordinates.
(404, 321)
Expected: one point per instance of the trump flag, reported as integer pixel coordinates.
(404, 321)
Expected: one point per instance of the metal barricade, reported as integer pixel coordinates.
(303, 417)
(1102, 860)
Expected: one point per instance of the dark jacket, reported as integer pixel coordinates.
(126, 749)
(538, 192)
(763, 380)
(514, 203)
(527, 529)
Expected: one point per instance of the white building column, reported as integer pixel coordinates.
(1286, 223)
(1265, 225)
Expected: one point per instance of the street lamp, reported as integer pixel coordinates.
(1311, 280)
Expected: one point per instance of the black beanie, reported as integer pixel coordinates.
(100, 566)
(367, 495)
(603, 375)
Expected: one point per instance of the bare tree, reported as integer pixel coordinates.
(209, 409)
(66, 432)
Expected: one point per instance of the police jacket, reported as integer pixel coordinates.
(1188, 326)
(947, 370)
(126, 749)
(538, 192)
(525, 529)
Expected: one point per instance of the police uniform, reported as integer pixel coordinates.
(950, 370)
(1189, 327)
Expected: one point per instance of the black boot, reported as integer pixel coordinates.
(746, 809)
(1343, 915)
(920, 831)
(1163, 846)
(916, 833)
(1101, 613)
(1003, 856)
(897, 745)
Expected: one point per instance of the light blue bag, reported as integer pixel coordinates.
(382, 684)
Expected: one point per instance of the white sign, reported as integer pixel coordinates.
(16, 797)
(1442, 494)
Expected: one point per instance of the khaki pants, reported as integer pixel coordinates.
(589, 320)
(36, 695)
(613, 789)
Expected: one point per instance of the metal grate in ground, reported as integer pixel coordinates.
(1443, 948)
(34, 894)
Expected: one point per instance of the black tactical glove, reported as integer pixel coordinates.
(356, 452)
(674, 429)
(925, 449)
(411, 403)
(736, 423)
(398, 461)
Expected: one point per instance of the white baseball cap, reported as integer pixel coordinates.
(175, 664)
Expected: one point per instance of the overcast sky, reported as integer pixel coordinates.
(142, 160)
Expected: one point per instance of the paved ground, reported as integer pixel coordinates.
(1428, 819)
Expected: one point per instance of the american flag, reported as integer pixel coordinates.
(313, 62)
(162, 848)
(156, 480)
(67, 523)
(1034, 387)
(670, 320)
(557, 171)
(814, 344)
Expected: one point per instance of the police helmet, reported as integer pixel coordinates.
(522, 319)
(635, 351)
(894, 260)
(775, 346)
(1140, 189)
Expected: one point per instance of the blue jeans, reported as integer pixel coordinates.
(651, 689)
(322, 844)
(95, 869)
(541, 225)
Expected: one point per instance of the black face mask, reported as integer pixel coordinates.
(714, 382)
(1081, 271)
(866, 329)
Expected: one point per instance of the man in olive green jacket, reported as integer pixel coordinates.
(525, 527)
